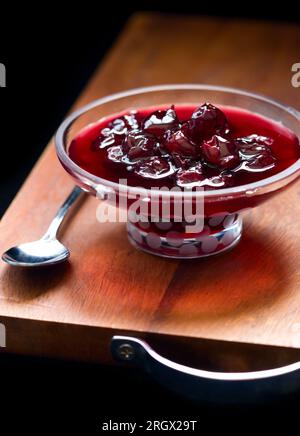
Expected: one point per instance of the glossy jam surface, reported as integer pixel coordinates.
(185, 146)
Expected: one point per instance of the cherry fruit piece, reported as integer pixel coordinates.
(154, 168)
(220, 152)
(253, 145)
(122, 125)
(139, 145)
(160, 121)
(190, 177)
(223, 180)
(206, 121)
(181, 161)
(115, 132)
(262, 162)
(115, 153)
(178, 142)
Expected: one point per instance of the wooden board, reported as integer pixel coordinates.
(246, 315)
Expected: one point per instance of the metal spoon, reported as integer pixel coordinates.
(47, 250)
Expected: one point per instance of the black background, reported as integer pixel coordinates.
(50, 52)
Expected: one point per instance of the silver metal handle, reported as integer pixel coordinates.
(57, 220)
(232, 387)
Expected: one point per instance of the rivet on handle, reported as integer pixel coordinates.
(125, 352)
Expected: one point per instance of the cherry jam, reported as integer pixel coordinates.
(185, 146)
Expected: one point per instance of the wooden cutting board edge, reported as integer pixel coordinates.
(91, 344)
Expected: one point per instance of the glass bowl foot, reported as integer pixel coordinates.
(219, 235)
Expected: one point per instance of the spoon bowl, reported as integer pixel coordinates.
(47, 250)
(36, 253)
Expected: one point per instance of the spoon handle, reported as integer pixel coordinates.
(57, 220)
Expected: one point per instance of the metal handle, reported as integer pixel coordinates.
(212, 386)
(57, 220)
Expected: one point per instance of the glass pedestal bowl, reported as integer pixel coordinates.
(219, 219)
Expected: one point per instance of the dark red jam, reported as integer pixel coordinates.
(185, 146)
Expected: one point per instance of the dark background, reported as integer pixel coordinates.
(49, 55)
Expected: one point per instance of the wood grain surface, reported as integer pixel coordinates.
(228, 319)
